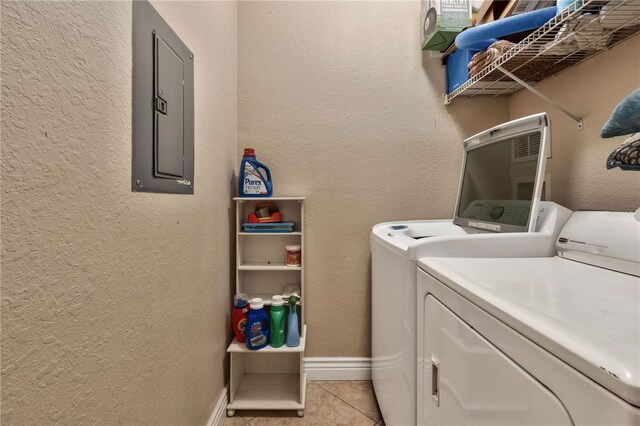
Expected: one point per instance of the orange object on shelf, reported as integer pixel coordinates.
(265, 213)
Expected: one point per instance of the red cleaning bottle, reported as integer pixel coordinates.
(239, 315)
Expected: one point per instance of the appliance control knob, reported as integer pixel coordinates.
(496, 212)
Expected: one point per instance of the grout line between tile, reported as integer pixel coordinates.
(355, 408)
(247, 421)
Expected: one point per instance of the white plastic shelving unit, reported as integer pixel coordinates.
(269, 378)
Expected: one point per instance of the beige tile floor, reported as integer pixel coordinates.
(340, 403)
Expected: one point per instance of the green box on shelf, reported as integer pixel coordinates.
(442, 21)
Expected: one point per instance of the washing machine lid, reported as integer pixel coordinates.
(503, 171)
(585, 315)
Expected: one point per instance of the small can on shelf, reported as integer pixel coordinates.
(294, 255)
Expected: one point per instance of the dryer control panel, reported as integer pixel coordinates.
(602, 238)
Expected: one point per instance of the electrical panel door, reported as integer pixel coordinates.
(169, 112)
(163, 136)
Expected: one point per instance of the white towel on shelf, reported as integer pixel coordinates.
(590, 34)
(584, 32)
(563, 44)
(616, 15)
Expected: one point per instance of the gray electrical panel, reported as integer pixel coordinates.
(162, 155)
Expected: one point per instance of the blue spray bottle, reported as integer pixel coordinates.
(293, 335)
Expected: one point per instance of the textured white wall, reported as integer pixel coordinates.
(579, 179)
(105, 319)
(114, 304)
(340, 102)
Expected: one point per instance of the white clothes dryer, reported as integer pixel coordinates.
(535, 340)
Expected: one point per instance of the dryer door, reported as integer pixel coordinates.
(464, 380)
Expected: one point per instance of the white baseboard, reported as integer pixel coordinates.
(337, 368)
(219, 411)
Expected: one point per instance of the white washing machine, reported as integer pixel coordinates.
(497, 214)
(535, 340)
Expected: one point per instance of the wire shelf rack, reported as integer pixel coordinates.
(579, 32)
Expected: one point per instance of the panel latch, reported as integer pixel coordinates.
(161, 105)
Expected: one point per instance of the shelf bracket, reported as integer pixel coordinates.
(540, 95)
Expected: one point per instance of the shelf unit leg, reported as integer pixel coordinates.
(540, 95)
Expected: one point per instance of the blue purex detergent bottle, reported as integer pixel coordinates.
(254, 178)
(257, 327)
